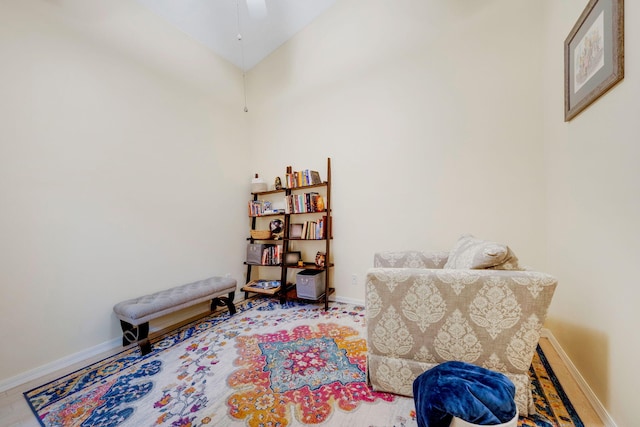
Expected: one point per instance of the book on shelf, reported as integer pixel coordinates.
(315, 178)
(316, 202)
(319, 229)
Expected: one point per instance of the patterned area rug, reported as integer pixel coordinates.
(270, 365)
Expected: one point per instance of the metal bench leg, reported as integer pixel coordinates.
(139, 334)
(129, 333)
(145, 346)
(222, 301)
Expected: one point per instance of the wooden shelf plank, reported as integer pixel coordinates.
(309, 266)
(292, 293)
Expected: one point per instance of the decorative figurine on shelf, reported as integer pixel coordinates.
(278, 183)
(320, 259)
(276, 228)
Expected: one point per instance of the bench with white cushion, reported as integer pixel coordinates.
(135, 314)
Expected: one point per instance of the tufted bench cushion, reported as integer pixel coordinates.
(134, 314)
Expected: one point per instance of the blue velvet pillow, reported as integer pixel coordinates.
(469, 392)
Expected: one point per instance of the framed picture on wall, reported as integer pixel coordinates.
(593, 55)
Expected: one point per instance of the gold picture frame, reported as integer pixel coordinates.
(593, 55)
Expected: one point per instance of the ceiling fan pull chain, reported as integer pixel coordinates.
(239, 37)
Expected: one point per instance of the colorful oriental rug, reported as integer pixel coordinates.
(269, 365)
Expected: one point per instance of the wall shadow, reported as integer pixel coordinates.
(588, 349)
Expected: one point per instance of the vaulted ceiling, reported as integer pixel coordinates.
(263, 24)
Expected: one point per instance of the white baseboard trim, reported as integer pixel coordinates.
(59, 364)
(590, 395)
(347, 300)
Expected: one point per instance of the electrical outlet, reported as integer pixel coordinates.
(354, 279)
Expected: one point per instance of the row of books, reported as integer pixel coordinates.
(306, 202)
(311, 230)
(271, 255)
(301, 178)
(262, 207)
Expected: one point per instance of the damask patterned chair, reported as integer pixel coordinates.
(472, 304)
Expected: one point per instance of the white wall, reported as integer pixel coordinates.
(593, 188)
(122, 158)
(431, 113)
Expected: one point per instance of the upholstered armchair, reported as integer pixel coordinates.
(420, 314)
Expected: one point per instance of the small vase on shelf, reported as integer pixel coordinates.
(258, 185)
